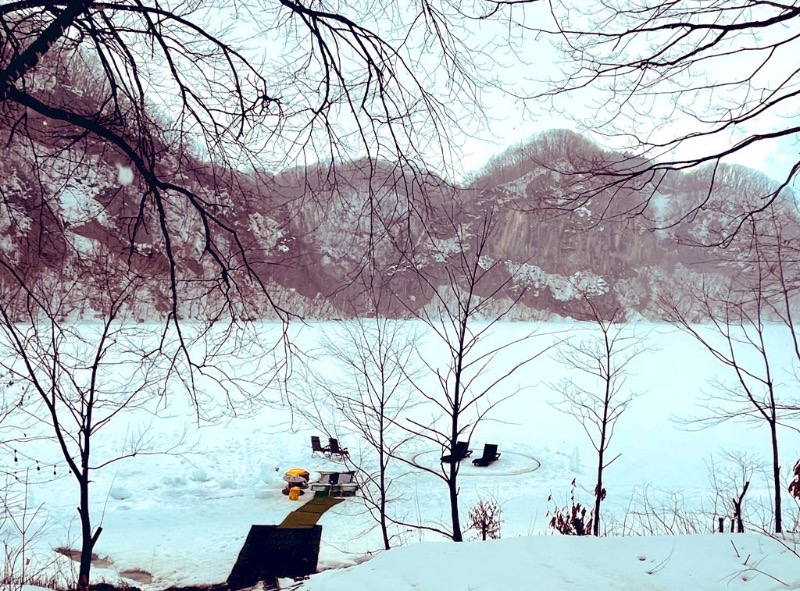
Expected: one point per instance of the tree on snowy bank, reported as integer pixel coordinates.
(381, 365)
(79, 378)
(465, 310)
(598, 405)
(362, 394)
(763, 291)
(730, 483)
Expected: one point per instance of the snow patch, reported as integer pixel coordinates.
(76, 206)
(562, 288)
(82, 244)
(124, 175)
(119, 493)
(267, 230)
(563, 563)
(200, 475)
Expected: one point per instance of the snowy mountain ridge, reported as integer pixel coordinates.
(307, 244)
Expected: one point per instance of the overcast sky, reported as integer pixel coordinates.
(536, 61)
(521, 63)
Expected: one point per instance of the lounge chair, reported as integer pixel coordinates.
(490, 454)
(316, 446)
(335, 449)
(460, 452)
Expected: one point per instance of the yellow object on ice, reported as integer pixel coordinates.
(294, 493)
(301, 472)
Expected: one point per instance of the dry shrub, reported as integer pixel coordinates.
(794, 485)
(574, 520)
(485, 518)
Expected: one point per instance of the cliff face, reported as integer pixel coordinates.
(311, 241)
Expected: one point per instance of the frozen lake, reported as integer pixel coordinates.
(182, 517)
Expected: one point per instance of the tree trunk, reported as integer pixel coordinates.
(776, 476)
(454, 504)
(452, 484)
(738, 515)
(452, 481)
(598, 496)
(87, 539)
(87, 544)
(382, 485)
(601, 448)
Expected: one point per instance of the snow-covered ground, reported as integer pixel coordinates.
(181, 518)
(546, 563)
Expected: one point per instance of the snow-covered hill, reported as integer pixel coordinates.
(311, 244)
(661, 563)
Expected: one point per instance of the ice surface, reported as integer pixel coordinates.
(183, 517)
